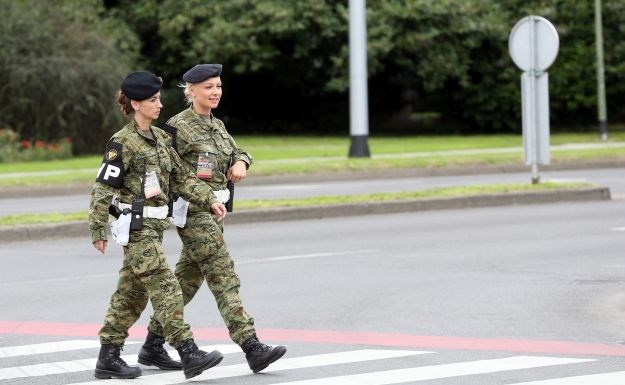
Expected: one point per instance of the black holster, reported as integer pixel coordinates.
(230, 204)
(136, 210)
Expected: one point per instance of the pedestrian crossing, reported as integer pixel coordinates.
(349, 363)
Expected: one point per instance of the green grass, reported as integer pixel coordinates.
(29, 219)
(279, 155)
(440, 192)
(256, 204)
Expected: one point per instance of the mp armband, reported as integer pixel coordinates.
(111, 171)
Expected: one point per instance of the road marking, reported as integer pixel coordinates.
(615, 378)
(283, 364)
(49, 347)
(618, 229)
(63, 367)
(305, 256)
(393, 340)
(424, 373)
(59, 279)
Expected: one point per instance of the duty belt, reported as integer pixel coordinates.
(159, 212)
(222, 195)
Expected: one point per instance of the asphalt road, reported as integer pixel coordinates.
(612, 177)
(451, 281)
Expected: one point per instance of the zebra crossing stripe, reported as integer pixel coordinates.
(49, 347)
(170, 378)
(614, 378)
(64, 367)
(424, 373)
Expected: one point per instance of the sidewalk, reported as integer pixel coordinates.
(80, 229)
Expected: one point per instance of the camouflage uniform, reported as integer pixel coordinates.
(204, 254)
(145, 273)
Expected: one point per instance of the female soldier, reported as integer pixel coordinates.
(208, 150)
(139, 165)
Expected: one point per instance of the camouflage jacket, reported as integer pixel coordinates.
(193, 134)
(127, 158)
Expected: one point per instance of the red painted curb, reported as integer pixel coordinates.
(340, 337)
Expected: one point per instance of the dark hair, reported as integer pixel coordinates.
(124, 103)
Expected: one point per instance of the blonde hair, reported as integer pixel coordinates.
(185, 90)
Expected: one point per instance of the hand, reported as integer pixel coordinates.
(100, 245)
(238, 171)
(219, 210)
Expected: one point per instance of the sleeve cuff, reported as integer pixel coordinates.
(98, 235)
(248, 161)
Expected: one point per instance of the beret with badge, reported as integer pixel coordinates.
(201, 72)
(141, 85)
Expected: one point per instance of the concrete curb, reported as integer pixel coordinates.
(80, 228)
(254, 180)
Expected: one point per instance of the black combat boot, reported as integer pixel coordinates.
(194, 360)
(153, 353)
(111, 365)
(259, 355)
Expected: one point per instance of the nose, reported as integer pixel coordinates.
(159, 104)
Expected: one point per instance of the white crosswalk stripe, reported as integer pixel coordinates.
(408, 369)
(440, 371)
(88, 364)
(171, 378)
(48, 347)
(614, 378)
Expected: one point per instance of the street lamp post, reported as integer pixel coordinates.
(358, 92)
(601, 101)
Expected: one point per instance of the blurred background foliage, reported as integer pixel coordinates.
(435, 67)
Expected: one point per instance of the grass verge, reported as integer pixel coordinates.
(253, 204)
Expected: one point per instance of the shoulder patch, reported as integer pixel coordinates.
(111, 171)
(173, 132)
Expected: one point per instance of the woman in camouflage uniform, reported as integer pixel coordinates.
(140, 167)
(208, 150)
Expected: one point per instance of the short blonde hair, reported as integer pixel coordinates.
(185, 90)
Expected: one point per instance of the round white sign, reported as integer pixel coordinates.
(535, 39)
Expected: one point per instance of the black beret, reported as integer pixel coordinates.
(141, 85)
(201, 72)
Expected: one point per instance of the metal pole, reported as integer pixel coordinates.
(601, 101)
(358, 92)
(533, 118)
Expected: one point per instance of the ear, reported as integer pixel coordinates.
(135, 105)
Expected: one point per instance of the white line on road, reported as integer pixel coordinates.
(60, 279)
(48, 347)
(440, 371)
(304, 256)
(283, 364)
(63, 367)
(615, 378)
(618, 229)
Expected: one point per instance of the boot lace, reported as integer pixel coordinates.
(257, 346)
(192, 351)
(113, 355)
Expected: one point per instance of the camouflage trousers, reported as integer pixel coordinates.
(145, 275)
(205, 256)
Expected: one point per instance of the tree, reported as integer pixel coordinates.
(286, 62)
(60, 67)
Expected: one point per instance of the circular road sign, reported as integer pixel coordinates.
(545, 43)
